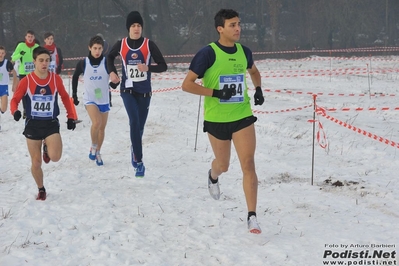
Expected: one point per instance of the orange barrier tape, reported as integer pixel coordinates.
(155, 91)
(350, 50)
(282, 111)
(329, 93)
(295, 51)
(290, 73)
(368, 58)
(285, 71)
(322, 112)
(322, 143)
(320, 130)
(334, 70)
(363, 109)
(328, 73)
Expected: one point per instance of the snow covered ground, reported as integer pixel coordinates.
(105, 216)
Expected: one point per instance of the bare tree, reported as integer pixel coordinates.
(274, 12)
(183, 26)
(260, 15)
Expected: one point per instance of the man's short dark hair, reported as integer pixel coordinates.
(40, 50)
(96, 40)
(224, 14)
(30, 32)
(48, 34)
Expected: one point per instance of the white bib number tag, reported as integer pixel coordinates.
(135, 74)
(42, 105)
(236, 83)
(29, 67)
(51, 67)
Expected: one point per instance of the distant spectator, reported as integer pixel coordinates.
(55, 52)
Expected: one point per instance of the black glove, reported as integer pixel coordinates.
(22, 52)
(71, 124)
(75, 99)
(258, 96)
(17, 115)
(223, 94)
(113, 85)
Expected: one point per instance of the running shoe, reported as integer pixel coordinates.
(253, 225)
(99, 160)
(92, 154)
(46, 158)
(140, 169)
(214, 189)
(134, 161)
(41, 195)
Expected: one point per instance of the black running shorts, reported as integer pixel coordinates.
(224, 131)
(41, 129)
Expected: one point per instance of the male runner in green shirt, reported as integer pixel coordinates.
(24, 53)
(222, 65)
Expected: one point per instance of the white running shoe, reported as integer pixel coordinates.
(214, 189)
(253, 225)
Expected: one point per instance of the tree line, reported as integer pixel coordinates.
(184, 26)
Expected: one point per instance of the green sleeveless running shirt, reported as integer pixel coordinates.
(26, 65)
(228, 70)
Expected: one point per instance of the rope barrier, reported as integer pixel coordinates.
(338, 70)
(319, 58)
(282, 111)
(295, 51)
(322, 112)
(350, 50)
(155, 91)
(329, 73)
(357, 109)
(284, 71)
(321, 135)
(329, 93)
